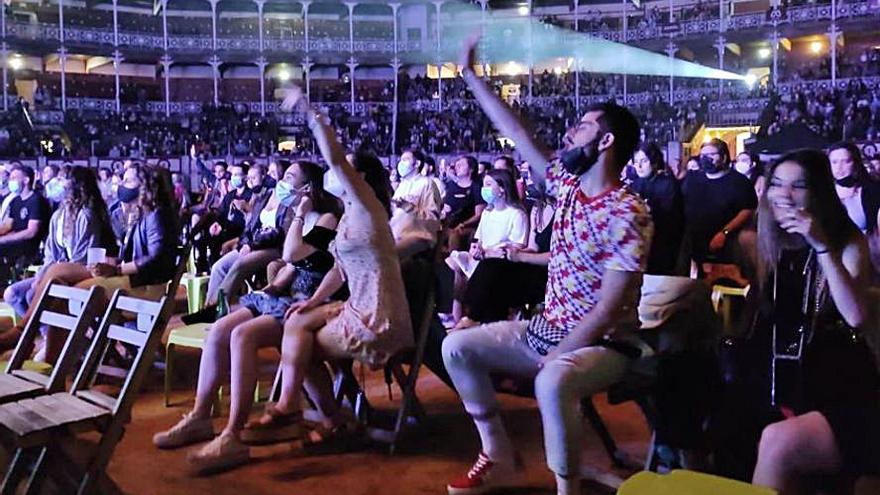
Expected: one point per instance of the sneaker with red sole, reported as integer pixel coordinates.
(485, 476)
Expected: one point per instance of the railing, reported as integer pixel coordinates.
(740, 112)
(741, 22)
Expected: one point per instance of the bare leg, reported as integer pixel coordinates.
(458, 290)
(60, 273)
(247, 338)
(794, 448)
(296, 354)
(214, 365)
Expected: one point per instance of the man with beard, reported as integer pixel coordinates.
(717, 205)
(584, 340)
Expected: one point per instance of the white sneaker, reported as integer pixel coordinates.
(187, 431)
(223, 452)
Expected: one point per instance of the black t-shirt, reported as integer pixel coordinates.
(462, 201)
(21, 212)
(663, 196)
(232, 219)
(709, 204)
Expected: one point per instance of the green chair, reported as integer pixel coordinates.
(683, 482)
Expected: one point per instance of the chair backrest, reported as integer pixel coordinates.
(181, 261)
(150, 321)
(61, 307)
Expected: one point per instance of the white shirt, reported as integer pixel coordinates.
(510, 225)
(423, 219)
(267, 218)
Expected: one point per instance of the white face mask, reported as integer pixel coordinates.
(332, 185)
(404, 168)
(743, 167)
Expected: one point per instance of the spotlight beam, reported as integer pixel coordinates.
(504, 36)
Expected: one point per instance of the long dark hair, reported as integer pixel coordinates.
(85, 195)
(507, 183)
(157, 194)
(375, 175)
(859, 172)
(822, 203)
(321, 201)
(655, 156)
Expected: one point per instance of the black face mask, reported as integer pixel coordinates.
(128, 194)
(577, 161)
(848, 181)
(708, 165)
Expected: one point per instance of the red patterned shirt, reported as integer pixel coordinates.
(611, 231)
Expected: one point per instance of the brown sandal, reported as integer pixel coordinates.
(273, 426)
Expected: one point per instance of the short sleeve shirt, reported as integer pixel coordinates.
(611, 231)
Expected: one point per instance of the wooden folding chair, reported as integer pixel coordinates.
(39, 428)
(78, 307)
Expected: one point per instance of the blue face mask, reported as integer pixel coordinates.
(284, 193)
(14, 186)
(128, 194)
(55, 190)
(488, 195)
(236, 181)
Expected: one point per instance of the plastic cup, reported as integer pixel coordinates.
(95, 256)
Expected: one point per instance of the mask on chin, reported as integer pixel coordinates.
(848, 181)
(577, 161)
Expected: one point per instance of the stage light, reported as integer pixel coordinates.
(751, 79)
(816, 47)
(16, 63)
(523, 10)
(513, 69)
(764, 52)
(283, 75)
(557, 71)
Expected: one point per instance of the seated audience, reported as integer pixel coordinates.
(261, 242)
(25, 226)
(463, 205)
(804, 374)
(660, 190)
(717, 204)
(371, 326)
(583, 342)
(228, 220)
(233, 342)
(415, 216)
(80, 223)
(858, 193)
(519, 277)
(504, 224)
(752, 169)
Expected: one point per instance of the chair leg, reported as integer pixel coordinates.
(601, 430)
(169, 368)
(650, 464)
(38, 474)
(14, 472)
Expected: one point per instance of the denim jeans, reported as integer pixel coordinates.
(471, 355)
(20, 295)
(230, 271)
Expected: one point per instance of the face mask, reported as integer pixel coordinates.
(577, 161)
(743, 167)
(55, 190)
(848, 181)
(404, 168)
(488, 195)
(236, 181)
(128, 194)
(332, 185)
(707, 164)
(284, 193)
(14, 186)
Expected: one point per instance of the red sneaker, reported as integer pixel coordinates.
(484, 476)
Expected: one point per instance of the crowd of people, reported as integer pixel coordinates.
(550, 258)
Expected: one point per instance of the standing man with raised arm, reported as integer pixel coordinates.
(583, 342)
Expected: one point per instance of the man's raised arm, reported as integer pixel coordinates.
(504, 118)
